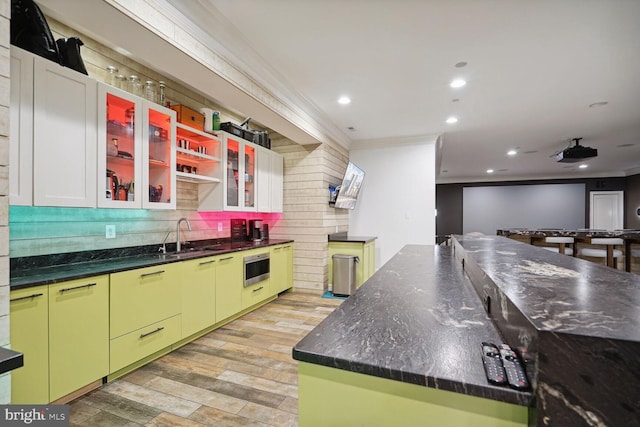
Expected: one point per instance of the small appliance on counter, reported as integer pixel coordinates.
(255, 230)
(238, 230)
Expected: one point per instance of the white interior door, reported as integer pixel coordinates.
(607, 210)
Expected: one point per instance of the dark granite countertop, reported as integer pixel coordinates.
(560, 293)
(347, 238)
(42, 270)
(575, 321)
(10, 360)
(623, 234)
(417, 320)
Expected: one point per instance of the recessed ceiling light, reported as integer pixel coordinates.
(512, 153)
(582, 166)
(503, 170)
(455, 100)
(461, 64)
(530, 151)
(625, 145)
(452, 120)
(344, 100)
(598, 104)
(458, 83)
(489, 170)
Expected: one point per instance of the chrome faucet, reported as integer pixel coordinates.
(178, 232)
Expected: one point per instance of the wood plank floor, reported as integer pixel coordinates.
(239, 375)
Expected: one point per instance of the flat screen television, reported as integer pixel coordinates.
(350, 188)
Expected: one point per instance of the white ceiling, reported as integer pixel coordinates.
(533, 69)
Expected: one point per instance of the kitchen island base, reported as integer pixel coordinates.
(335, 397)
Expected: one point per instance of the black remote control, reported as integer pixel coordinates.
(516, 374)
(493, 364)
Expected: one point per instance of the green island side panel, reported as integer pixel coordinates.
(331, 397)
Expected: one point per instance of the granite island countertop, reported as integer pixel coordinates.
(416, 320)
(47, 269)
(579, 321)
(560, 293)
(348, 238)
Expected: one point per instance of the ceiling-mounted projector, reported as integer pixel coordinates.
(576, 153)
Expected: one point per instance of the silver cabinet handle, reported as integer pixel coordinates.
(151, 274)
(27, 297)
(257, 289)
(152, 332)
(88, 285)
(207, 262)
(224, 259)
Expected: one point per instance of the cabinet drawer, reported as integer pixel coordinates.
(255, 293)
(139, 344)
(142, 297)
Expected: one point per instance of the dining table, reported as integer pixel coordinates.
(581, 236)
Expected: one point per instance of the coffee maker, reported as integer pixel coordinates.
(255, 230)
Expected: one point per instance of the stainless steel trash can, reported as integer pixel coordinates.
(344, 274)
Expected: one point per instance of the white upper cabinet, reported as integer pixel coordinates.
(136, 152)
(269, 180)
(237, 191)
(21, 135)
(53, 134)
(64, 136)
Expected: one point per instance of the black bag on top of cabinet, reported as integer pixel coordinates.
(30, 30)
(70, 54)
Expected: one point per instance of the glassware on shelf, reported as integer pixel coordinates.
(149, 91)
(121, 82)
(135, 86)
(112, 72)
(161, 98)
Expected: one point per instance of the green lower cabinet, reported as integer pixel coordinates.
(143, 296)
(29, 314)
(136, 345)
(281, 268)
(329, 397)
(198, 290)
(229, 278)
(258, 292)
(78, 334)
(366, 265)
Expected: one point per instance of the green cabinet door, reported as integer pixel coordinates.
(78, 334)
(229, 277)
(198, 289)
(143, 296)
(29, 314)
(281, 268)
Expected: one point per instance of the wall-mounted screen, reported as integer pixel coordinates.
(350, 187)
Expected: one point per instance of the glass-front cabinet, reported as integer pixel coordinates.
(240, 175)
(136, 152)
(159, 155)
